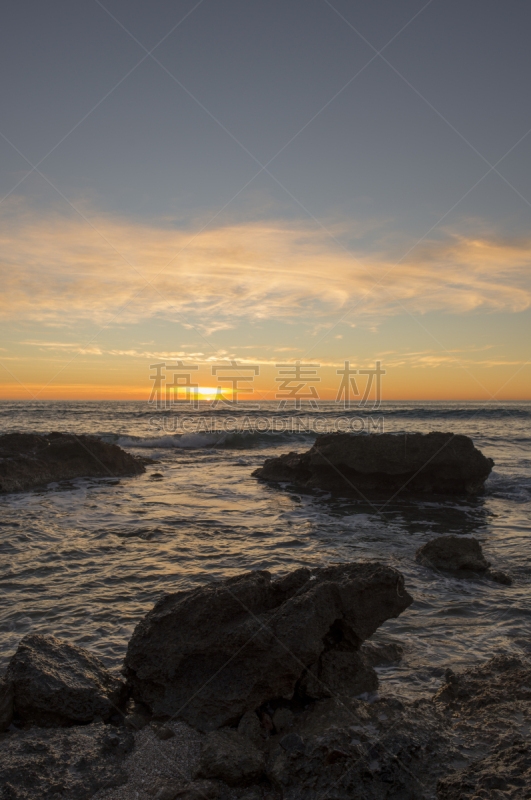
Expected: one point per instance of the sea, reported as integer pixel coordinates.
(85, 560)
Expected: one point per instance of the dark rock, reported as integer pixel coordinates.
(349, 760)
(28, 460)
(68, 763)
(292, 743)
(213, 653)
(502, 679)
(162, 732)
(56, 683)
(499, 577)
(227, 756)
(250, 728)
(346, 748)
(454, 554)
(504, 774)
(339, 672)
(385, 464)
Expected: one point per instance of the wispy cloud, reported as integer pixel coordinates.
(60, 271)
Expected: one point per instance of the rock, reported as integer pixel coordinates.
(28, 460)
(505, 775)
(502, 679)
(349, 761)
(71, 763)
(162, 732)
(6, 704)
(227, 756)
(384, 464)
(293, 743)
(282, 719)
(453, 553)
(250, 728)
(211, 654)
(339, 672)
(499, 577)
(56, 683)
(381, 653)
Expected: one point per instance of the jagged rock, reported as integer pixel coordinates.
(57, 683)
(502, 679)
(453, 553)
(339, 672)
(28, 459)
(213, 653)
(353, 758)
(385, 464)
(504, 774)
(227, 756)
(6, 704)
(47, 764)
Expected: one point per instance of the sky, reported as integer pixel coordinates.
(265, 182)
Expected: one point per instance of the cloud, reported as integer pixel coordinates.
(59, 270)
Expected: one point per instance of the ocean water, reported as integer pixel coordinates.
(85, 560)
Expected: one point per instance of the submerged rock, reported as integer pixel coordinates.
(461, 555)
(56, 683)
(28, 460)
(48, 764)
(453, 553)
(211, 654)
(384, 464)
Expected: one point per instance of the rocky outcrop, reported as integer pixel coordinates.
(56, 683)
(461, 555)
(50, 764)
(504, 774)
(384, 464)
(28, 460)
(209, 655)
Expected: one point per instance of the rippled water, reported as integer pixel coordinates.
(85, 560)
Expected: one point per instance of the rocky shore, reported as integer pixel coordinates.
(30, 460)
(384, 465)
(259, 687)
(263, 689)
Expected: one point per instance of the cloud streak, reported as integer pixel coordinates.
(60, 271)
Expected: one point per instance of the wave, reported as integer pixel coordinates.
(240, 440)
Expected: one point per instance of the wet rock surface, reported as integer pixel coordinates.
(211, 654)
(57, 683)
(384, 465)
(461, 555)
(69, 764)
(28, 460)
(454, 554)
